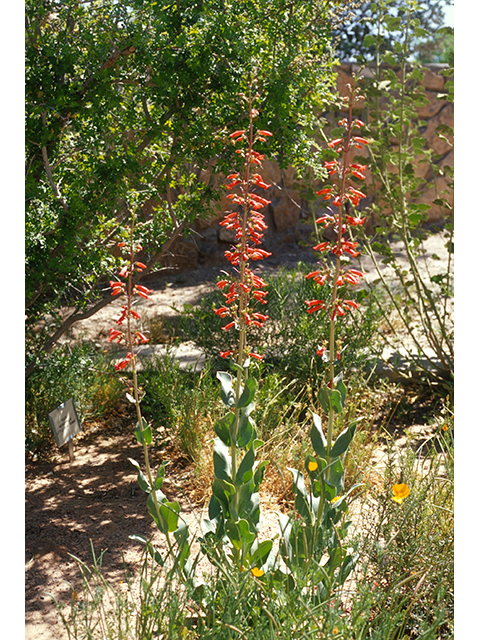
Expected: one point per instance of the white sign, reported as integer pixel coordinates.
(65, 422)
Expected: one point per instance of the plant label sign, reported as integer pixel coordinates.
(65, 422)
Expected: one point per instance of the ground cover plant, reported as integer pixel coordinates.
(360, 551)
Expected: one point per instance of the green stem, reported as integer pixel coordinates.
(135, 381)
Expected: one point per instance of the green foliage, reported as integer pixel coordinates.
(127, 109)
(77, 372)
(354, 36)
(394, 96)
(178, 404)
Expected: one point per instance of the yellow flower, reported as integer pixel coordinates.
(336, 499)
(335, 630)
(445, 427)
(312, 465)
(400, 492)
(258, 573)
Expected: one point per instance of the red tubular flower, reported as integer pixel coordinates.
(353, 276)
(140, 266)
(117, 288)
(323, 246)
(351, 303)
(256, 356)
(228, 326)
(121, 365)
(225, 354)
(141, 337)
(134, 314)
(257, 179)
(331, 166)
(114, 334)
(263, 132)
(237, 134)
(326, 190)
(335, 143)
(142, 291)
(355, 222)
(123, 273)
(314, 305)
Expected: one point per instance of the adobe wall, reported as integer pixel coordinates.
(289, 216)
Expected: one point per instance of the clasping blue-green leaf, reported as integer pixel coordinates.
(226, 391)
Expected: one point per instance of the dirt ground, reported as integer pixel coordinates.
(95, 499)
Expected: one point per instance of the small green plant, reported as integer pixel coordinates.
(407, 549)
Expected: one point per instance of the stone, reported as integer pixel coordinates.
(433, 140)
(433, 107)
(433, 81)
(285, 210)
(182, 255)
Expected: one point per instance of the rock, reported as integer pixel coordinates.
(286, 210)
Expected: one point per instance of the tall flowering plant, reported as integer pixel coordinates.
(234, 508)
(316, 528)
(126, 332)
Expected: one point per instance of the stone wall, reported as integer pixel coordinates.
(289, 216)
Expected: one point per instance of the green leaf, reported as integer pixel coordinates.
(223, 491)
(222, 462)
(245, 469)
(141, 478)
(226, 392)
(259, 473)
(246, 431)
(160, 475)
(319, 442)
(262, 553)
(239, 534)
(336, 400)
(223, 427)
(248, 393)
(335, 475)
(166, 518)
(144, 435)
(324, 399)
(341, 443)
